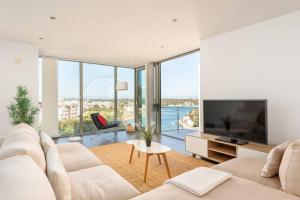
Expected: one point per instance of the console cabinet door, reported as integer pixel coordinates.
(244, 152)
(196, 146)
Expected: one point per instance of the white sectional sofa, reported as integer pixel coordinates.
(246, 183)
(34, 168)
(234, 189)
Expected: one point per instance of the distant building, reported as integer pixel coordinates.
(68, 109)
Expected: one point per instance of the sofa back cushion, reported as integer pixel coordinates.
(289, 171)
(25, 128)
(23, 144)
(46, 141)
(271, 167)
(57, 175)
(21, 178)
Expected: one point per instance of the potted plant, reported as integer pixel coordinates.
(21, 110)
(147, 135)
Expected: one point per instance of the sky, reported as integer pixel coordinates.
(68, 79)
(98, 81)
(179, 79)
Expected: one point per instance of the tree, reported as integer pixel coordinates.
(21, 110)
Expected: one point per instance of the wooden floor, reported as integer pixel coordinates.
(121, 136)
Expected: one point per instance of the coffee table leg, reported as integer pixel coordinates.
(146, 167)
(131, 153)
(139, 154)
(166, 163)
(158, 159)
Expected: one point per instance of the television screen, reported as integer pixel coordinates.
(238, 119)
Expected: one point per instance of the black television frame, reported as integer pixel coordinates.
(237, 140)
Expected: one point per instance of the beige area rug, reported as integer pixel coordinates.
(117, 157)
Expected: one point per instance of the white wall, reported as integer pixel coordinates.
(18, 66)
(261, 61)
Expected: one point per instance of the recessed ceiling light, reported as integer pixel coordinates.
(41, 38)
(174, 20)
(53, 18)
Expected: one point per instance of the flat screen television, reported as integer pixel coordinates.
(236, 121)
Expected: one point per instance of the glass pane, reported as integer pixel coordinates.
(180, 93)
(68, 97)
(98, 94)
(142, 117)
(126, 97)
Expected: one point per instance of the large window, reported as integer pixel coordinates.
(180, 92)
(98, 94)
(126, 97)
(68, 97)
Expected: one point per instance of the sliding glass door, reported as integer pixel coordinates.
(179, 80)
(141, 97)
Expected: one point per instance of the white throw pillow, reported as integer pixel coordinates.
(271, 167)
(46, 141)
(21, 178)
(289, 171)
(57, 175)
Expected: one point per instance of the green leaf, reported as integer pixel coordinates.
(22, 110)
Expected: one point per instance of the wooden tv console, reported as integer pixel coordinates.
(206, 145)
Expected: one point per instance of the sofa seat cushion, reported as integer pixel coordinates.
(75, 156)
(23, 144)
(21, 178)
(100, 183)
(249, 168)
(233, 189)
(25, 128)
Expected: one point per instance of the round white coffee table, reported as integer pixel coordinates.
(156, 148)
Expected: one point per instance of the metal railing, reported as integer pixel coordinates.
(172, 117)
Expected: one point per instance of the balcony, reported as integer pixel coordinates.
(178, 121)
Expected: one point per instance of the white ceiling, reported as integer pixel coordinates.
(128, 32)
